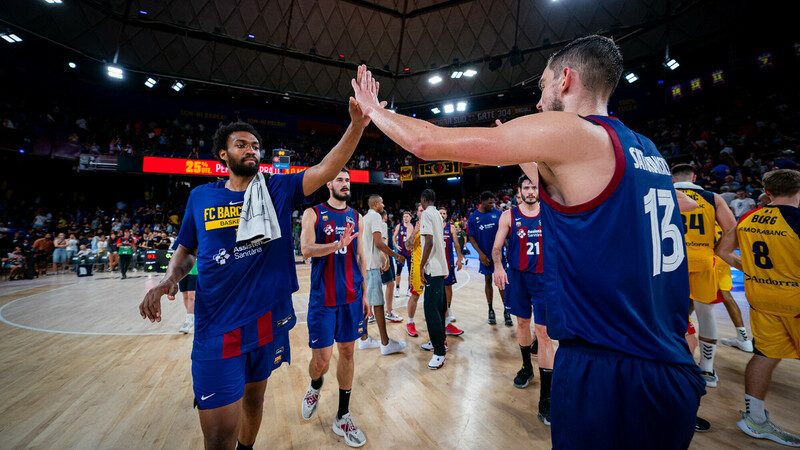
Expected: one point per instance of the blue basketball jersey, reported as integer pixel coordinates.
(483, 227)
(448, 247)
(335, 277)
(402, 235)
(616, 266)
(524, 251)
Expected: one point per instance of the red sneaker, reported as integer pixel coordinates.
(451, 330)
(411, 329)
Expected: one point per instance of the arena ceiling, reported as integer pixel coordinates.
(294, 46)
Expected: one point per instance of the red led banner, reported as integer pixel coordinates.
(178, 166)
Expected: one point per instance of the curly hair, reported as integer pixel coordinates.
(224, 132)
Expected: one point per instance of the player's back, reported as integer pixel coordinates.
(770, 247)
(615, 266)
(698, 227)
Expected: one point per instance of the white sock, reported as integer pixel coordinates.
(411, 320)
(707, 352)
(755, 408)
(190, 317)
(742, 333)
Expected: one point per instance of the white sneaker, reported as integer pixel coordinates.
(352, 435)
(450, 319)
(711, 378)
(371, 319)
(397, 293)
(767, 430)
(393, 317)
(310, 402)
(745, 346)
(368, 343)
(392, 347)
(436, 362)
(408, 292)
(428, 346)
(187, 326)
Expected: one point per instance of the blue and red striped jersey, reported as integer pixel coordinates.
(335, 277)
(448, 247)
(525, 242)
(402, 235)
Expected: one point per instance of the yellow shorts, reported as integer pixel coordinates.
(417, 287)
(703, 286)
(724, 280)
(775, 336)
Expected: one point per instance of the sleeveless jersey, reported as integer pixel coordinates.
(402, 235)
(525, 242)
(770, 247)
(616, 271)
(448, 247)
(483, 227)
(334, 277)
(698, 229)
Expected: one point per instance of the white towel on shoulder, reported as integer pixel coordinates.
(258, 221)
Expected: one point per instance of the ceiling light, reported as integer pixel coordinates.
(178, 85)
(470, 73)
(456, 74)
(436, 110)
(11, 38)
(672, 64)
(72, 65)
(151, 82)
(142, 12)
(631, 77)
(448, 108)
(461, 106)
(52, 1)
(114, 72)
(435, 79)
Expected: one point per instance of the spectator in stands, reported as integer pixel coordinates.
(113, 254)
(731, 183)
(782, 161)
(43, 248)
(15, 261)
(83, 254)
(763, 200)
(102, 245)
(742, 204)
(59, 253)
(126, 247)
(727, 195)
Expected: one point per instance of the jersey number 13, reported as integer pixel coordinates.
(663, 230)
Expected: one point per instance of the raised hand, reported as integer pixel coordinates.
(365, 91)
(347, 236)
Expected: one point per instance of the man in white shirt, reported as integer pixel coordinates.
(741, 204)
(434, 270)
(375, 248)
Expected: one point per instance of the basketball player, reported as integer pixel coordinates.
(337, 302)
(401, 232)
(387, 274)
(449, 238)
(187, 287)
(414, 244)
(434, 269)
(700, 235)
(725, 284)
(376, 252)
(615, 268)
(244, 290)
(524, 285)
(769, 240)
(481, 230)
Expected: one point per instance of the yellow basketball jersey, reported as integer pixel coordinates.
(698, 229)
(770, 247)
(719, 263)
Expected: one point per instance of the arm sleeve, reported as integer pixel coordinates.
(187, 237)
(471, 226)
(290, 185)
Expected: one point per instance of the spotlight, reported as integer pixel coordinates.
(436, 110)
(456, 74)
(631, 77)
(114, 72)
(22, 150)
(143, 12)
(52, 2)
(251, 36)
(470, 73)
(178, 85)
(672, 64)
(448, 108)
(72, 65)
(11, 38)
(435, 79)
(452, 178)
(151, 82)
(461, 106)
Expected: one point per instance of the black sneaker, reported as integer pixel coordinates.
(544, 411)
(535, 348)
(507, 317)
(492, 320)
(702, 425)
(523, 377)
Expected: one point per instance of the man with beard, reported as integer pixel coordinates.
(337, 302)
(615, 258)
(524, 286)
(243, 308)
(481, 230)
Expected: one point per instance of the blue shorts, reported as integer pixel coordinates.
(388, 276)
(399, 268)
(604, 399)
(450, 279)
(525, 294)
(59, 255)
(374, 290)
(343, 323)
(489, 270)
(221, 382)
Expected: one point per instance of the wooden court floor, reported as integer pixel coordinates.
(81, 370)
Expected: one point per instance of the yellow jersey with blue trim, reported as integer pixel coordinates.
(698, 227)
(769, 240)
